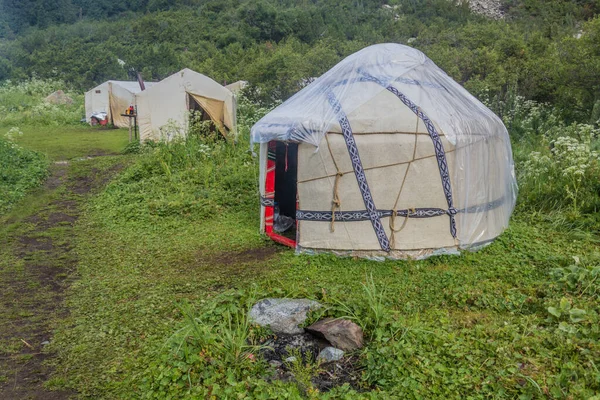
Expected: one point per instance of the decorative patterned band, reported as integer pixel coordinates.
(440, 154)
(267, 202)
(359, 172)
(352, 216)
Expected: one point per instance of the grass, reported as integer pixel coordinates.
(180, 226)
(36, 265)
(446, 326)
(68, 142)
(20, 170)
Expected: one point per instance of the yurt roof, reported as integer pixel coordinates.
(370, 73)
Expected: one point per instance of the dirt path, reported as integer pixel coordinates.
(35, 268)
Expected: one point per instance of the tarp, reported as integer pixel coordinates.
(163, 110)
(391, 133)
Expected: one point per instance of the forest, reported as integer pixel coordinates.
(543, 51)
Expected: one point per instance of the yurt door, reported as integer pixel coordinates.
(281, 179)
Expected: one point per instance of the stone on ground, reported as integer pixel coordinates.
(59, 97)
(341, 333)
(329, 354)
(282, 315)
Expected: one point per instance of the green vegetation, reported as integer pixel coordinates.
(69, 142)
(23, 104)
(162, 264)
(20, 169)
(170, 260)
(480, 323)
(276, 44)
(36, 263)
(34, 131)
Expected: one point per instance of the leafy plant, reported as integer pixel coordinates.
(303, 368)
(20, 169)
(370, 310)
(579, 279)
(564, 310)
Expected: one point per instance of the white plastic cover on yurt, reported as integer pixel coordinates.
(167, 104)
(113, 98)
(395, 159)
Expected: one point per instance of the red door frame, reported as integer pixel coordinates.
(270, 194)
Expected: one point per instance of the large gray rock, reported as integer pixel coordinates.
(341, 333)
(59, 97)
(329, 354)
(282, 315)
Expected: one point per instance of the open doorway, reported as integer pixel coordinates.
(200, 122)
(282, 177)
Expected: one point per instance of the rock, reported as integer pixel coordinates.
(291, 359)
(329, 354)
(59, 97)
(282, 315)
(341, 333)
(275, 363)
(488, 8)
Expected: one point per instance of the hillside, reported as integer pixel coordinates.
(275, 44)
(127, 269)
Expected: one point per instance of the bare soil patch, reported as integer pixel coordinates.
(246, 256)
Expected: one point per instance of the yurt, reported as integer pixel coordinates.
(164, 109)
(384, 156)
(113, 97)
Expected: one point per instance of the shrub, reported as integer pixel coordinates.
(564, 173)
(20, 169)
(24, 103)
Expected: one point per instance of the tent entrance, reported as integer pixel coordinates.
(205, 109)
(199, 115)
(282, 177)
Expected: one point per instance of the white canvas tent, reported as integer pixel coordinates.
(237, 87)
(166, 105)
(112, 97)
(385, 156)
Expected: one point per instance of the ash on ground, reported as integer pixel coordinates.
(280, 348)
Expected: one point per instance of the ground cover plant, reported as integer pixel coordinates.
(37, 260)
(129, 272)
(20, 169)
(170, 260)
(23, 103)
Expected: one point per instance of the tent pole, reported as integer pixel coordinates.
(129, 129)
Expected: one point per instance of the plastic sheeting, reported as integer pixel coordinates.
(482, 171)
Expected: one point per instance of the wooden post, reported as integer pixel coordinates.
(129, 129)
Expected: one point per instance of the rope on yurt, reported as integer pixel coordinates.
(336, 203)
(371, 168)
(395, 208)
